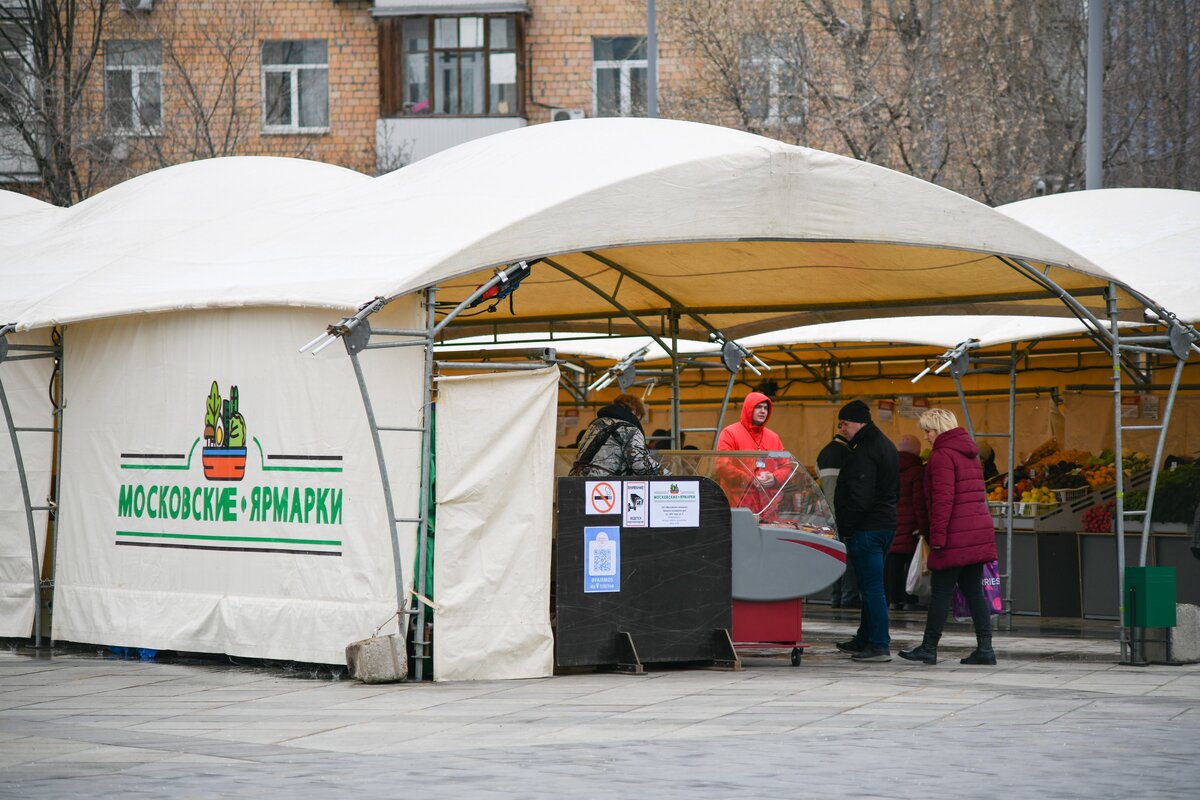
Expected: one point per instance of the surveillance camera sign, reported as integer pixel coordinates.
(635, 506)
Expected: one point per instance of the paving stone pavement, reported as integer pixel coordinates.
(1056, 718)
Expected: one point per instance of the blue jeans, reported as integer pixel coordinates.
(867, 550)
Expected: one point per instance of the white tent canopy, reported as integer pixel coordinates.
(721, 221)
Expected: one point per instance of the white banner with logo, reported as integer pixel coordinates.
(27, 388)
(495, 494)
(220, 491)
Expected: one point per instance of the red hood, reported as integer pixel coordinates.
(957, 439)
(753, 399)
(909, 460)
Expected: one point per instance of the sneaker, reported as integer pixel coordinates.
(872, 654)
(853, 646)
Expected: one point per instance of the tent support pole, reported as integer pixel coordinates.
(59, 419)
(36, 572)
(1165, 421)
(1008, 505)
(676, 435)
(355, 341)
(616, 304)
(1119, 473)
(426, 483)
(724, 409)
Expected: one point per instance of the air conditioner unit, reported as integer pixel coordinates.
(563, 114)
(137, 5)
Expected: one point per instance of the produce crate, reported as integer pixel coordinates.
(996, 509)
(1070, 495)
(1032, 509)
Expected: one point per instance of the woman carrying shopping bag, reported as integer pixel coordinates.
(961, 536)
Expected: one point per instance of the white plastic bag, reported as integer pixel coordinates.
(919, 579)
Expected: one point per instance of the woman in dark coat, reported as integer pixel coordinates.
(961, 535)
(912, 520)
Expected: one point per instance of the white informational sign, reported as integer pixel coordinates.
(601, 559)
(675, 504)
(602, 497)
(636, 507)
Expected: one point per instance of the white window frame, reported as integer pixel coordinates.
(16, 160)
(625, 88)
(135, 84)
(774, 67)
(293, 71)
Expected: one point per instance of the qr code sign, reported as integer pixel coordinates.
(602, 561)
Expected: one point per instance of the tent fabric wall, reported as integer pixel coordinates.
(297, 579)
(1089, 424)
(26, 385)
(495, 479)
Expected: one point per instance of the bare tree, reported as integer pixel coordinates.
(47, 52)
(985, 98)
(1152, 93)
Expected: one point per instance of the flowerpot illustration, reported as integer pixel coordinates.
(224, 463)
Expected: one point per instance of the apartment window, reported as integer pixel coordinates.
(133, 86)
(619, 76)
(453, 66)
(295, 86)
(773, 76)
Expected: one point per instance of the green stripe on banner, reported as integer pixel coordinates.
(150, 535)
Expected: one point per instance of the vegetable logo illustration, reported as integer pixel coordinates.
(224, 455)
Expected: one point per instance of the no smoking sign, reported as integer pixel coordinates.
(602, 497)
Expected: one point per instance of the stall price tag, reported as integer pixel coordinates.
(601, 559)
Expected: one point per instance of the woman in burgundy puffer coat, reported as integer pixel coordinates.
(961, 536)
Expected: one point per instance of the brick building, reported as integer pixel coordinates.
(367, 84)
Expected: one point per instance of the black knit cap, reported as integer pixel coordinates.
(855, 411)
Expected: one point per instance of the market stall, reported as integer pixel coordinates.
(669, 229)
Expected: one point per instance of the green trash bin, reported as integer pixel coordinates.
(1150, 597)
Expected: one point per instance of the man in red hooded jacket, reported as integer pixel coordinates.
(752, 483)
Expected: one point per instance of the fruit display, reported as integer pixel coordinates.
(1075, 457)
(1042, 495)
(1042, 451)
(1100, 475)
(1099, 519)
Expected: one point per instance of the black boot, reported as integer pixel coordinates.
(983, 653)
(925, 652)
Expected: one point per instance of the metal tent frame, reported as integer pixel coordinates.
(357, 334)
(26, 352)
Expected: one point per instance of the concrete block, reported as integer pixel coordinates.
(1185, 637)
(380, 659)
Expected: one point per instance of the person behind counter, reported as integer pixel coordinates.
(752, 485)
(987, 457)
(614, 444)
(961, 535)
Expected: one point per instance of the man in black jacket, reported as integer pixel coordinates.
(865, 507)
(830, 461)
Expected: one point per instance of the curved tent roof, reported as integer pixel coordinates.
(163, 240)
(752, 233)
(1148, 238)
